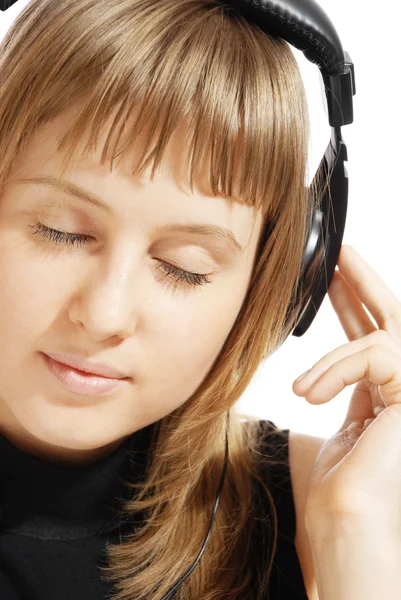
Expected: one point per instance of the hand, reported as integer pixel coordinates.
(358, 470)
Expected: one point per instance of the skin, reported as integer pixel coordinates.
(109, 300)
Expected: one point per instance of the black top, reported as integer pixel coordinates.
(55, 521)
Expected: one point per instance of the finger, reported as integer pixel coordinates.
(360, 406)
(381, 302)
(377, 337)
(349, 309)
(376, 363)
(333, 357)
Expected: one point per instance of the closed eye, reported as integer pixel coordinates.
(79, 240)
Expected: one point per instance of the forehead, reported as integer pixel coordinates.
(171, 179)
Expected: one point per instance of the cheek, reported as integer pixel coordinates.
(24, 301)
(25, 319)
(187, 344)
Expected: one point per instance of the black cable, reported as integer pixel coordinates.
(216, 505)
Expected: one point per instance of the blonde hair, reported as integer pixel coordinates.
(244, 93)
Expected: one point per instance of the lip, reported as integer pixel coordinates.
(82, 383)
(87, 367)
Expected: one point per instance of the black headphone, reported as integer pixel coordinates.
(305, 25)
(6, 4)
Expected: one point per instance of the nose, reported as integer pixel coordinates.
(106, 299)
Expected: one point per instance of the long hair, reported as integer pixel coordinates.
(241, 94)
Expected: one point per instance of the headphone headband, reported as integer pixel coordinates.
(304, 25)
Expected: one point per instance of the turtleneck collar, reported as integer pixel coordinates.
(48, 501)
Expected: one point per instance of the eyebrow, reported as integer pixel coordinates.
(83, 194)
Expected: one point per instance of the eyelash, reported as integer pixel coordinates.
(76, 239)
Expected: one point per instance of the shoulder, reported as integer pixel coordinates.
(302, 453)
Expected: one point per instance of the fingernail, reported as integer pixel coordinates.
(301, 376)
(378, 409)
(381, 395)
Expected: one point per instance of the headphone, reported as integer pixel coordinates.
(6, 4)
(305, 25)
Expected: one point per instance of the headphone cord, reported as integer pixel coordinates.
(216, 505)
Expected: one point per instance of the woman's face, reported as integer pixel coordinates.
(111, 300)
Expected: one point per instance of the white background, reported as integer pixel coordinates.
(373, 218)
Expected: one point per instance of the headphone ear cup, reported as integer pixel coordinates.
(313, 265)
(6, 4)
(323, 244)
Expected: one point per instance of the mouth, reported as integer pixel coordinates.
(80, 382)
(84, 366)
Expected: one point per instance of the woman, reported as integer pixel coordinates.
(156, 269)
